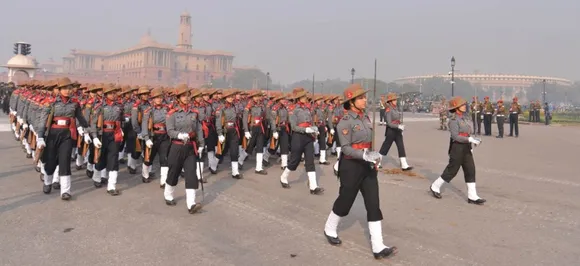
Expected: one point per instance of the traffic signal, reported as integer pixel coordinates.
(15, 48)
(25, 49)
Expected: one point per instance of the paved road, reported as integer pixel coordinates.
(531, 218)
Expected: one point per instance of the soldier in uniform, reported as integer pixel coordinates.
(57, 124)
(254, 123)
(154, 132)
(127, 100)
(460, 154)
(443, 113)
(487, 116)
(95, 99)
(537, 107)
(185, 130)
(135, 144)
(500, 113)
(358, 172)
(394, 132)
(228, 130)
(204, 105)
(319, 119)
(382, 106)
(107, 136)
(476, 115)
(515, 111)
(302, 142)
(280, 124)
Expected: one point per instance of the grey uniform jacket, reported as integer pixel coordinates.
(278, 111)
(299, 113)
(354, 128)
(229, 113)
(139, 107)
(111, 111)
(257, 111)
(158, 114)
(459, 127)
(70, 108)
(393, 116)
(183, 119)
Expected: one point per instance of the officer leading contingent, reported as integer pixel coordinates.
(357, 171)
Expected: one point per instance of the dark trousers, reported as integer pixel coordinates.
(212, 139)
(358, 175)
(476, 118)
(500, 121)
(322, 137)
(182, 157)
(131, 142)
(393, 135)
(257, 141)
(382, 116)
(487, 124)
(537, 115)
(284, 141)
(160, 147)
(58, 151)
(109, 153)
(231, 144)
(460, 156)
(514, 125)
(302, 144)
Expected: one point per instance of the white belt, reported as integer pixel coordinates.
(230, 124)
(514, 112)
(61, 122)
(500, 115)
(487, 113)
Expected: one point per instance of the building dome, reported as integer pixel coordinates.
(147, 39)
(21, 61)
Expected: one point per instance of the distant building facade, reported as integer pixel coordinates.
(490, 81)
(149, 62)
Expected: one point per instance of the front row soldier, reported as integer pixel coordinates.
(228, 130)
(57, 124)
(185, 130)
(154, 131)
(107, 136)
(280, 124)
(357, 171)
(515, 111)
(254, 123)
(500, 117)
(302, 142)
(460, 153)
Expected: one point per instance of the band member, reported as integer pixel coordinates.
(302, 142)
(107, 136)
(394, 131)
(58, 118)
(280, 124)
(460, 154)
(515, 111)
(255, 128)
(500, 117)
(476, 115)
(185, 130)
(357, 171)
(228, 130)
(487, 115)
(154, 132)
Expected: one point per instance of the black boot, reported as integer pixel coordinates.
(335, 241)
(385, 253)
(46, 189)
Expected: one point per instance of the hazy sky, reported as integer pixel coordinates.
(293, 39)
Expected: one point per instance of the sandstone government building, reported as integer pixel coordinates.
(148, 62)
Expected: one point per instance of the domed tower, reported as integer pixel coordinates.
(185, 31)
(21, 62)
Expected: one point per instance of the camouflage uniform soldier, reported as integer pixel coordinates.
(443, 115)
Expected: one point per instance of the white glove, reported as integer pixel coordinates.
(221, 138)
(309, 130)
(248, 135)
(372, 156)
(275, 135)
(122, 134)
(401, 127)
(481, 116)
(87, 138)
(474, 141)
(97, 143)
(40, 143)
(19, 120)
(199, 151)
(332, 131)
(80, 130)
(31, 129)
(183, 136)
(25, 126)
(149, 143)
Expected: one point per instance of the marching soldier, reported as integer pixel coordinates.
(476, 115)
(443, 115)
(57, 124)
(280, 124)
(500, 117)
(487, 116)
(319, 119)
(185, 130)
(515, 111)
(382, 112)
(95, 99)
(127, 99)
(157, 142)
(302, 142)
(358, 172)
(135, 145)
(460, 154)
(394, 132)
(228, 130)
(240, 102)
(107, 136)
(254, 128)
(339, 111)
(204, 105)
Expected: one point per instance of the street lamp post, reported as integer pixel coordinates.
(452, 76)
(268, 81)
(544, 92)
(352, 76)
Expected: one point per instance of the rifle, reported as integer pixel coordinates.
(138, 147)
(48, 124)
(97, 153)
(220, 146)
(147, 156)
(22, 133)
(274, 142)
(244, 140)
(79, 142)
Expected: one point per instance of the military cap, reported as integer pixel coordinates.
(108, 88)
(63, 82)
(456, 102)
(181, 89)
(143, 90)
(298, 93)
(353, 91)
(156, 92)
(254, 93)
(393, 96)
